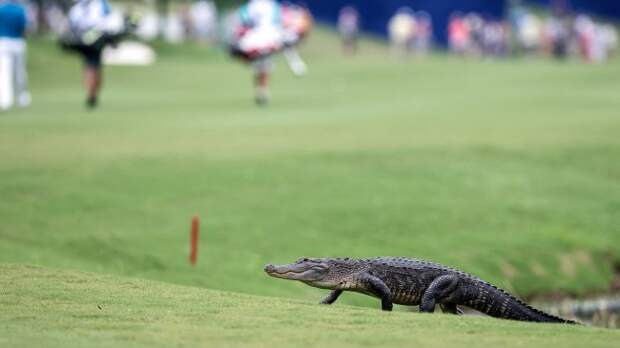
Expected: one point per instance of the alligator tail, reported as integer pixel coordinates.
(500, 304)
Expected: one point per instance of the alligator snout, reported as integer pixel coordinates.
(269, 268)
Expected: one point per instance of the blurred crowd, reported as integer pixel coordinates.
(410, 31)
(259, 29)
(195, 20)
(559, 34)
(473, 35)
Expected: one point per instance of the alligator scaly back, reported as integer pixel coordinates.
(410, 282)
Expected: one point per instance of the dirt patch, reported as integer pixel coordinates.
(567, 265)
(508, 270)
(538, 269)
(583, 258)
(561, 296)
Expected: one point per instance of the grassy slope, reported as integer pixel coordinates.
(48, 308)
(508, 170)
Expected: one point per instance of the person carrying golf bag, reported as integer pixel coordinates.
(91, 29)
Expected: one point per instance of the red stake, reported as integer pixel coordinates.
(193, 240)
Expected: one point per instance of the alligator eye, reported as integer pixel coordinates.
(305, 260)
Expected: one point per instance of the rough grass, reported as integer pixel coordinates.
(508, 170)
(50, 308)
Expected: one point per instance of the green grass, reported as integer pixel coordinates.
(508, 170)
(50, 308)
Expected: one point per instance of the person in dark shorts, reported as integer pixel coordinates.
(92, 56)
(90, 30)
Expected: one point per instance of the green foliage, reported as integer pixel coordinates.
(48, 308)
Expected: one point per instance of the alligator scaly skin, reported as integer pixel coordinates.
(416, 283)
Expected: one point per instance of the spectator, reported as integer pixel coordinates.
(558, 29)
(475, 25)
(423, 35)
(348, 27)
(203, 14)
(402, 28)
(610, 36)
(529, 34)
(13, 77)
(586, 31)
(495, 39)
(557, 36)
(458, 34)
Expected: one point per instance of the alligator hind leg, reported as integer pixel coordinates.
(450, 308)
(332, 297)
(439, 289)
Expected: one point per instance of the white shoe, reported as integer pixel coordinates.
(24, 100)
(262, 96)
(299, 68)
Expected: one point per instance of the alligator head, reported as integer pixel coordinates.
(320, 273)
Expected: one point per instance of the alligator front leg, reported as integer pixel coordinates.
(440, 288)
(379, 289)
(332, 297)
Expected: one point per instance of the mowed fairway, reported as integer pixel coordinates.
(49, 308)
(509, 170)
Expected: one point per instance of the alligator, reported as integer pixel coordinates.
(410, 282)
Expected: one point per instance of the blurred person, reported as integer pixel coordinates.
(600, 51)
(458, 34)
(259, 35)
(91, 28)
(557, 37)
(525, 29)
(203, 14)
(516, 16)
(585, 30)
(529, 35)
(184, 16)
(495, 39)
(13, 76)
(148, 26)
(610, 35)
(476, 25)
(558, 29)
(423, 35)
(348, 27)
(56, 19)
(401, 29)
(595, 41)
(175, 27)
(604, 44)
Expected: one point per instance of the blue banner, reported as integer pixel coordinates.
(375, 14)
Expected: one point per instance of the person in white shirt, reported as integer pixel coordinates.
(349, 27)
(13, 77)
(401, 29)
(87, 22)
(203, 14)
